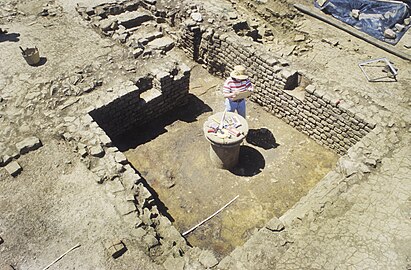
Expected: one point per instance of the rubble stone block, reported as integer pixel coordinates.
(120, 158)
(208, 259)
(28, 144)
(275, 225)
(13, 168)
(97, 151)
(150, 240)
(115, 248)
(163, 44)
(133, 19)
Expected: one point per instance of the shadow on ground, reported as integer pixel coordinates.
(262, 138)
(251, 162)
(11, 37)
(142, 134)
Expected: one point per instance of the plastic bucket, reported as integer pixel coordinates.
(31, 55)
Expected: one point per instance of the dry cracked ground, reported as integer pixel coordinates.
(291, 214)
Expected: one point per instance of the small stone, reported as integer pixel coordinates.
(107, 24)
(275, 225)
(310, 88)
(115, 248)
(232, 15)
(151, 2)
(138, 233)
(137, 52)
(1, 240)
(97, 151)
(407, 21)
(13, 168)
(299, 38)
(399, 27)
(389, 33)
(150, 241)
(208, 259)
(6, 159)
(196, 16)
(105, 140)
(120, 158)
(210, 21)
(355, 13)
(28, 144)
(163, 44)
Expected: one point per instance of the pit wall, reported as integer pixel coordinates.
(323, 118)
(135, 105)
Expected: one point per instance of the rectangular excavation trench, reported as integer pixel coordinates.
(278, 165)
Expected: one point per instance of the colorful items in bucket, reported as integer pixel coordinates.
(226, 128)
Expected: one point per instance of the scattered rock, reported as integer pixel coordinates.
(399, 27)
(6, 159)
(407, 44)
(196, 16)
(137, 52)
(1, 240)
(105, 140)
(299, 38)
(407, 21)
(108, 24)
(120, 158)
(133, 19)
(97, 151)
(13, 168)
(163, 44)
(208, 259)
(115, 248)
(389, 33)
(150, 241)
(232, 15)
(355, 13)
(28, 144)
(275, 225)
(151, 2)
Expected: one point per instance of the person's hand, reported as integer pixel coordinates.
(233, 95)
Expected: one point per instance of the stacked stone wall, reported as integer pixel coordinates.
(322, 117)
(136, 106)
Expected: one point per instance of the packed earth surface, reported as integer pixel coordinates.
(104, 163)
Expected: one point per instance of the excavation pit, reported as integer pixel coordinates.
(277, 166)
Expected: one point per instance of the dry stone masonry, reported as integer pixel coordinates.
(322, 117)
(161, 91)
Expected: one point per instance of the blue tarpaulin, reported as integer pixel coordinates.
(370, 16)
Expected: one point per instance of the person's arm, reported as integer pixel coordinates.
(249, 86)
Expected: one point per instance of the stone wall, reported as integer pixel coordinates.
(322, 117)
(137, 105)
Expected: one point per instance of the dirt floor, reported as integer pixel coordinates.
(278, 165)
